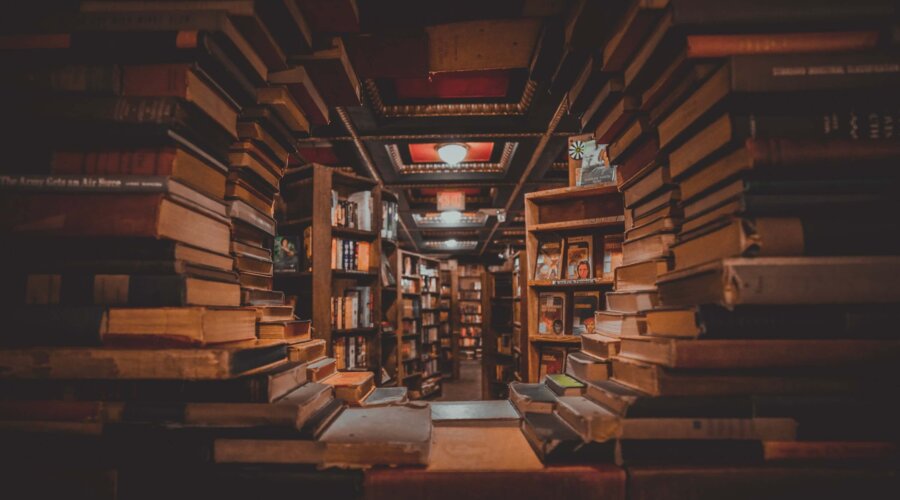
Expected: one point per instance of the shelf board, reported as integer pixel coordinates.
(430, 293)
(570, 193)
(410, 276)
(409, 336)
(580, 224)
(392, 289)
(292, 274)
(413, 294)
(469, 300)
(290, 223)
(570, 283)
(517, 298)
(517, 324)
(341, 273)
(353, 233)
(345, 178)
(469, 323)
(353, 331)
(555, 339)
(503, 297)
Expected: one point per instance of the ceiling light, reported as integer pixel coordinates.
(452, 153)
(451, 217)
(451, 243)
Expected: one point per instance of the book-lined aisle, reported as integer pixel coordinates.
(329, 219)
(471, 305)
(498, 364)
(194, 307)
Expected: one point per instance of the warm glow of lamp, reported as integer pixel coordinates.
(452, 153)
(451, 243)
(451, 217)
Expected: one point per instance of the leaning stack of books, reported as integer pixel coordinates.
(130, 245)
(766, 312)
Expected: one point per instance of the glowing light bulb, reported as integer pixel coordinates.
(451, 243)
(451, 217)
(452, 153)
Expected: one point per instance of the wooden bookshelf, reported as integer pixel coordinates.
(307, 194)
(554, 215)
(416, 327)
(471, 296)
(447, 358)
(498, 364)
(520, 314)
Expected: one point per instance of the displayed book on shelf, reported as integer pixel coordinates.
(551, 313)
(287, 253)
(579, 257)
(548, 264)
(584, 304)
(612, 255)
(552, 360)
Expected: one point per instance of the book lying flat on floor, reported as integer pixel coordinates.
(474, 414)
(481, 449)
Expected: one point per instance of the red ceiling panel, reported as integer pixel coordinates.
(318, 154)
(456, 85)
(426, 152)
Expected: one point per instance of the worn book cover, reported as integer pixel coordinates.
(548, 264)
(595, 165)
(286, 254)
(552, 313)
(552, 360)
(583, 306)
(579, 257)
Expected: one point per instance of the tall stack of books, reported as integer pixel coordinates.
(762, 136)
(138, 226)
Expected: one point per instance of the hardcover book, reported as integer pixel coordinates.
(552, 313)
(552, 360)
(583, 306)
(579, 257)
(595, 166)
(548, 264)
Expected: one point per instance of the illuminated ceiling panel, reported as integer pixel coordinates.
(426, 152)
(434, 220)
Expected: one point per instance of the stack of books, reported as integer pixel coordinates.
(755, 324)
(138, 230)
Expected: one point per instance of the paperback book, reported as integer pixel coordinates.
(548, 264)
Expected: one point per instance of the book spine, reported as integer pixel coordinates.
(141, 161)
(156, 80)
(85, 184)
(778, 152)
(708, 46)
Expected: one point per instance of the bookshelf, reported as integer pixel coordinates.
(448, 347)
(499, 360)
(585, 217)
(320, 287)
(519, 314)
(415, 313)
(473, 303)
(389, 290)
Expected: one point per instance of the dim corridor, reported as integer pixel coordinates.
(468, 387)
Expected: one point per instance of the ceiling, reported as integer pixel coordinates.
(496, 76)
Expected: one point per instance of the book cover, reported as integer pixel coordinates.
(595, 165)
(579, 257)
(612, 255)
(549, 260)
(552, 313)
(583, 306)
(552, 361)
(286, 255)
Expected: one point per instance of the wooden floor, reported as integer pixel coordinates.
(468, 387)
